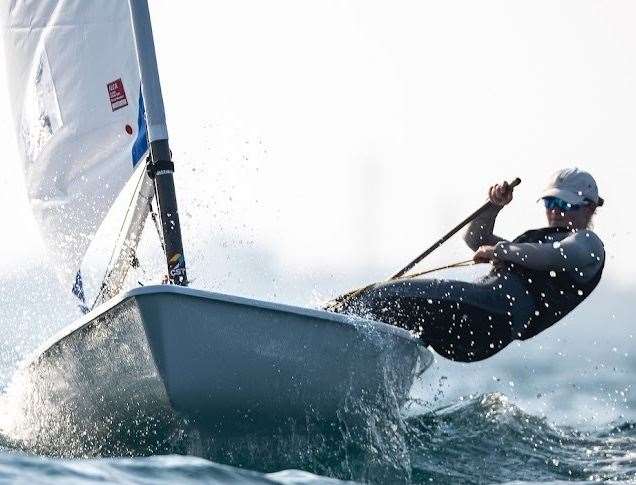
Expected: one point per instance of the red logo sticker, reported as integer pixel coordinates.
(117, 95)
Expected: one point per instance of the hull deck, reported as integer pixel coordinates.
(220, 360)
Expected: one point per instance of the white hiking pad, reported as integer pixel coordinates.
(75, 91)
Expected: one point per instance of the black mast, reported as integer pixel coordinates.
(160, 165)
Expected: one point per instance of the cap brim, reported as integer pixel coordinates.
(563, 194)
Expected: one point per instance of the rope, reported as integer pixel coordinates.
(468, 262)
(337, 302)
(155, 219)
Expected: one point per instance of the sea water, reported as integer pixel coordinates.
(557, 408)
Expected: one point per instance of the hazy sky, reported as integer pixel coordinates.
(352, 134)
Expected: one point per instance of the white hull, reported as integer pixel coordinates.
(219, 360)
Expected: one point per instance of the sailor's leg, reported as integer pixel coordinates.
(461, 321)
(463, 332)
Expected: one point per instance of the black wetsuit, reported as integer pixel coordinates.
(466, 321)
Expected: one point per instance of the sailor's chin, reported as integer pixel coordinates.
(558, 223)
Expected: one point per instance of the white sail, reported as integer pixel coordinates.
(75, 90)
(123, 255)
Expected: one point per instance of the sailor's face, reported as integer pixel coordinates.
(572, 219)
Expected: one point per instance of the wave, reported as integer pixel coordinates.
(478, 439)
(157, 470)
(488, 439)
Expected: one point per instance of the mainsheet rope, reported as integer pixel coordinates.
(337, 303)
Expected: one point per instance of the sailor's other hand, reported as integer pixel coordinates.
(485, 254)
(500, 194)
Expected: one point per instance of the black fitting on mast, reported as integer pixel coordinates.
(153, 167)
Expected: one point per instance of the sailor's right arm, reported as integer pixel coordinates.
(581, 254)
(480, 230)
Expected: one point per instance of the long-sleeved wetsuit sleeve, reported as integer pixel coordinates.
(580, 252)
(480, 230)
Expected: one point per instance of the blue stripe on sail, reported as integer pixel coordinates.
(140, 147)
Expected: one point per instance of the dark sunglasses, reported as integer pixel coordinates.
(554, 203)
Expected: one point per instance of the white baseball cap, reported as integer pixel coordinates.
(574, 186)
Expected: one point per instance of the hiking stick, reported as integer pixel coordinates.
(451, 233)
(338, 301)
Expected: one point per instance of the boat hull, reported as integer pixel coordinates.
(225, 362)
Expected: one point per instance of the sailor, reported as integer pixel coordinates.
(536, 279)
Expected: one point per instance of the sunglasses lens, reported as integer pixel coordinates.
(554, 203)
